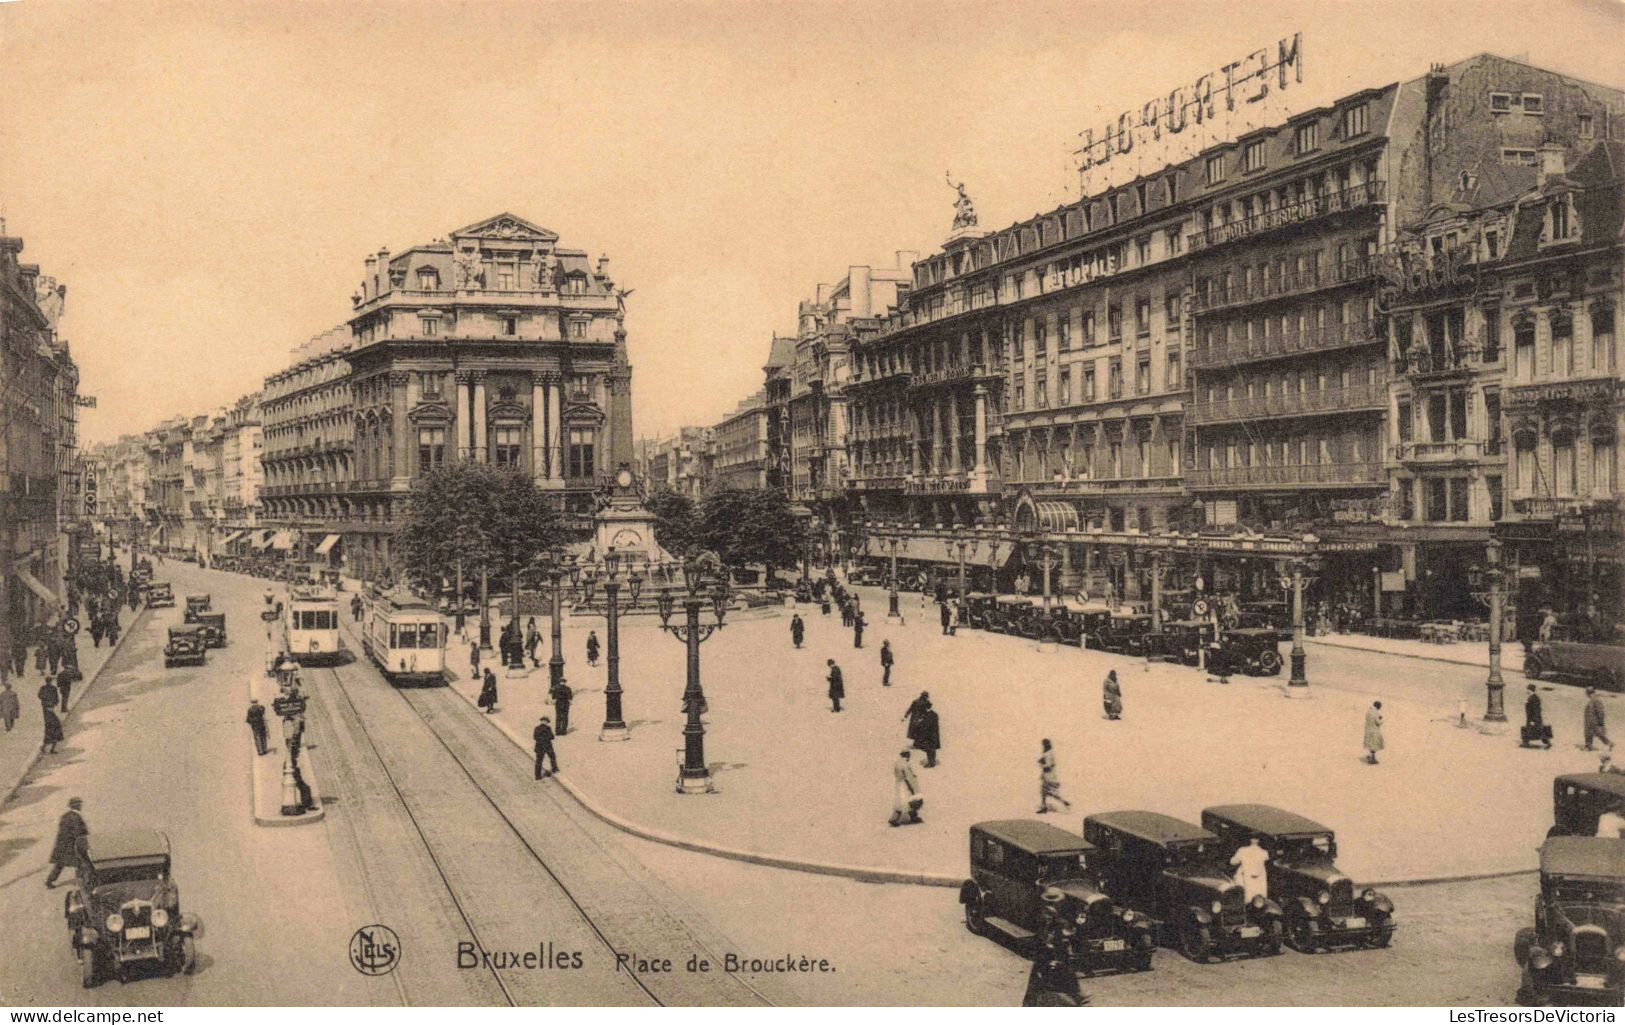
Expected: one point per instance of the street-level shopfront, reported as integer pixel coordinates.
(1569, 557)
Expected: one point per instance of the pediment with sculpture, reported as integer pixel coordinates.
(583, 412)
(431, 412)
(506, 227)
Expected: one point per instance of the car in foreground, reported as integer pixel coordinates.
(1322, 906)
(1253, 650)
(1575, 952)
(186, 647)
(124, 908)
(1580, 798)
(1014, 863)
(1174, 873)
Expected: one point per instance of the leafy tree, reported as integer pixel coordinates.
(748, 526)
(489, 517)
(675, 520)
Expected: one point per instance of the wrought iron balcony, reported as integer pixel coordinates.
(1357, 332)
(1272, 476)
(1463, 450)
(1353, 198)
(1306, 403)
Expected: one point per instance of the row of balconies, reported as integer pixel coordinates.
(1287, 215)
(1359, 332)
(1461, 450)
(1305, 403)
(1288, 284)
(1273, 476)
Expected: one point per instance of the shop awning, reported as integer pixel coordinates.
(327, 544)
(936, 549)
(33, 584)
(229, 538)
(282, 540)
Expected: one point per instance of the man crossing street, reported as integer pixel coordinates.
(542, 736)
(837, 686)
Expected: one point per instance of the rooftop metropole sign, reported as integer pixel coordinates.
(1209, 103)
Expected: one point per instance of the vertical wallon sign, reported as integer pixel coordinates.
(1209, 101)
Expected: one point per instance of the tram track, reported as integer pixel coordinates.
(531, 856)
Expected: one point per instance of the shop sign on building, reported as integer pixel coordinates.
(1408, 274)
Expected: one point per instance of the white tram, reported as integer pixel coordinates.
(406, 637)
(311, 626)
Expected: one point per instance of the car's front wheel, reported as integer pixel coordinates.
(1269, 663)
(89, 967)
(1196, 943)
(1305, 935)
(186, 955)
(1273, 938)
(976, 916)
(1381, 938)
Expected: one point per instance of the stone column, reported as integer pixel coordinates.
(398, 425)
(981, 430)
(914, 439)
(555, 431)
(478, 443)
(953, 431)
(464, 448)
(538, 426)
(936, 434)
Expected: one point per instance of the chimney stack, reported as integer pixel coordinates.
(1553, 162)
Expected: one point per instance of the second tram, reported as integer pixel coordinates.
(312, 627)
(407, 638)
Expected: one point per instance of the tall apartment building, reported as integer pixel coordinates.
(739, 446)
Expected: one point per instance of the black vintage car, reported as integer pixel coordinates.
(1013, 862)
(1580, 798)
(124, 908)
(1178, 875)
(1255, 651)
(195, 604)
(1575, 954)
(1182, 640)
(160, 596)
(1009, 612)
(979, 609)
(1125, 633)
(186, 647)
(1600, 665)
(1321, 905)
(213, 627)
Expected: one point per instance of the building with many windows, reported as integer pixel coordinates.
(739, 457)
(307, 448)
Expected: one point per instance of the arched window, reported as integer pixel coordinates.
(1563, 466)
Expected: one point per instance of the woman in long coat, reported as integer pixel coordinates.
(9, 709)
(1049, 781)
(53, 732)
(923, 730)
(906, 798)
(1373, 732)
(1112, 696)
(488, 693)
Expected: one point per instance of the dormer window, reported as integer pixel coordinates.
(1215, 170)
(1588, 129)
(428, 279)
(1534, 103)
(1500, 103)
(1356, 120)
(1306, 137)
(1561, 223)
(578, 284)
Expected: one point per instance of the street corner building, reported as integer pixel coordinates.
(493, 345)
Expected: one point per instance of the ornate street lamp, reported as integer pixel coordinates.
(893, 540)
(557, 566)
(698, 573)
(1048, 557)
(962, 544)
(1489, 586)
(1297, 578)
(614, 727)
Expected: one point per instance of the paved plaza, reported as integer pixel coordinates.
(797, 781)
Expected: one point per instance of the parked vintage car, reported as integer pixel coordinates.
(186, 646)
(1272, 613)
(1255, 651)
(1178, 875)
(1575, 954)
(1600, 665)
(1010, 611)
(1063, 621)
(1012, 863)
(1182, 640)
(160, 596)
(213, 627)
(124, 908)
(1123, 632)
(1320, 904)
(870, 575)
(1580, 798)
(196, 603)
(979, 609)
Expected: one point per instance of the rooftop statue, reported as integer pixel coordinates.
(964, 207)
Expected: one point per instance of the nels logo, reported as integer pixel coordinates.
(375, 950)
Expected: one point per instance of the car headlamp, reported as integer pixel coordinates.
(1557, 949)
(1258, 901)
(160, 917)
(1368, 894)
(1218, 906)
(115, 922)
(1128, 916)
(1325, 897)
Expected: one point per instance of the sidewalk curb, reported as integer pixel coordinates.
(1398, 654)
(73, 702)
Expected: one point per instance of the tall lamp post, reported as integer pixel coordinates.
(962, 544)
(698, 572)
(557, 567)
(1048, 557)
(1489, 586)
(1297, 578)
(614, 727)
(893, 540)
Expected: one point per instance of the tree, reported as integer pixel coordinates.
(485, 517)
(747, 526)
(675, 520)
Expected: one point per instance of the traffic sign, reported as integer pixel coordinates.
(70, 626)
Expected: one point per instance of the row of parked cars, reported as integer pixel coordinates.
(201, 628)
(1137, 880)
(1251, 647)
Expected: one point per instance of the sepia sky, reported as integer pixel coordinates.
(207, 178)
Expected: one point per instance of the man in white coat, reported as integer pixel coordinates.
(1250, 861)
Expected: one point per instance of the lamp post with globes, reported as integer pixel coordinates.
(963, 544)
(557, 566)
(700, 573)
(614, 727)
(893, 540)
(1489, 586)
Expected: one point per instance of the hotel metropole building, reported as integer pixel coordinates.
(495, 346)
(1197, 351)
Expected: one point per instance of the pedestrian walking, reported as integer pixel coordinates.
(112, 627)
(562, 696)
(533, 639)
(823, 605)
(53, 648)
(924, 731)
(1535, 730)
(488, 693)
(9, 708)
(955, 616)
(355, 607)
(906, 799)
(846, 611)
(474, 659)
(256, 724)
(798, 630)
(70, 831)
(886, 661)
(49, 696)
(592, 649)
(1111, 696)
(53, 731)
(837, 686)
(1595, 720)
(946, 616)
(1049, 781)
(1373, 732)
(64, 684)
(542, 737)
(857, 629)
(95, 632)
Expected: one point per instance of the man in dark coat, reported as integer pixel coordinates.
(355, 608)
(49, 696)
(837, 686)
(1595, 720)
(542, 735)
(947, 616)
(857, 629)
(798, 630)
(592, 654)
(256, 724)
(924, 732)
(885, 663)
(488, 693)
(1535, 729)
(823, 605)
(64, 684)
(562, 696)
(70, 829)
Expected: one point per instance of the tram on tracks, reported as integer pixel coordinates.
(311, 626)
(406, 637)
